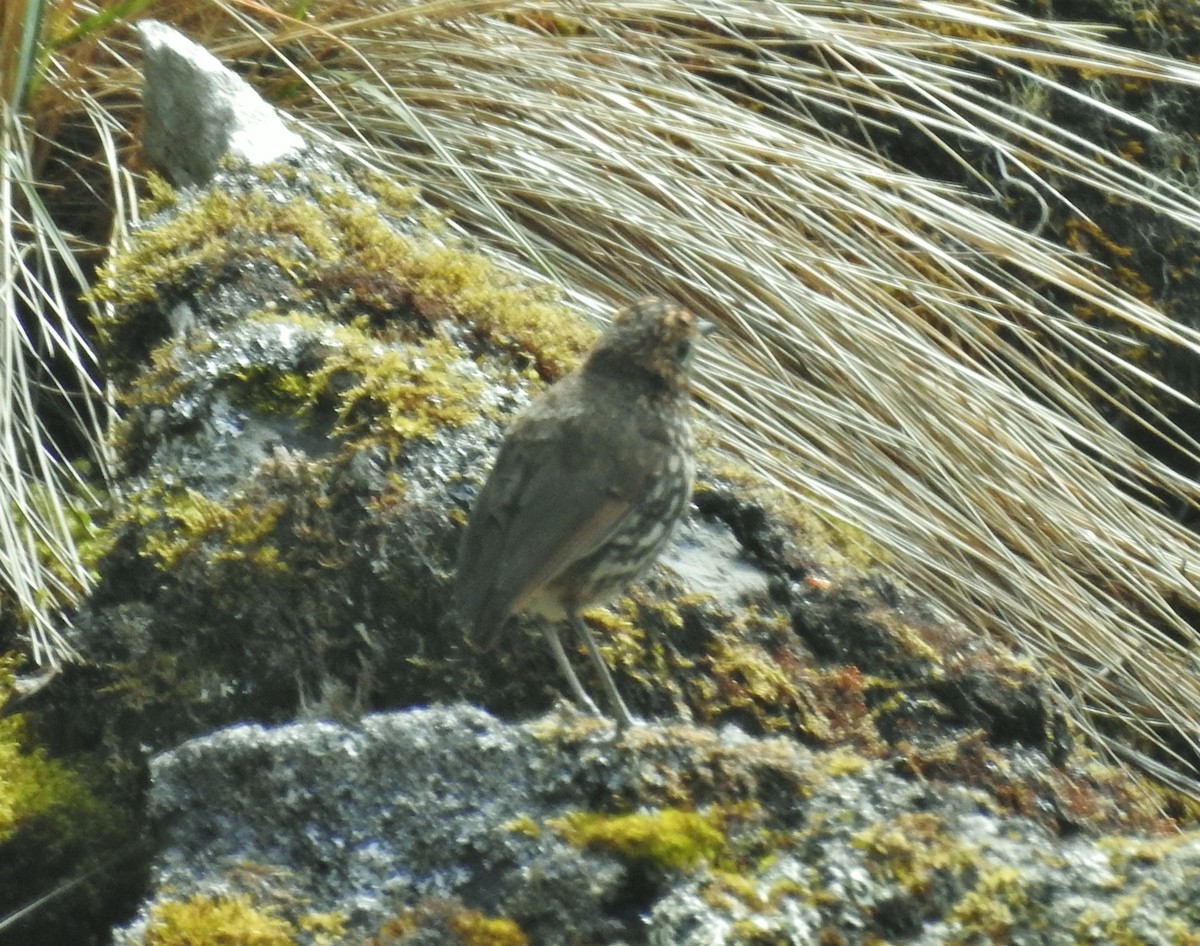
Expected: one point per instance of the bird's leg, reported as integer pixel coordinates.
(624, 719)
(560, 655)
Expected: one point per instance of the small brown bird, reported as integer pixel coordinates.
(587, 487)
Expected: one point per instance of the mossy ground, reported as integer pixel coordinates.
(339, 322)
(341, 257)
(666, 839)
(449, 922)
(58, 831)
(33, 786)
(265, 920)
(334, 307)
(239, 920)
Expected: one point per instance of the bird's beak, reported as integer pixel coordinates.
(705, 327)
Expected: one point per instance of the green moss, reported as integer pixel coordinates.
(1125, 852)
(475, 929)
(751, 680)
(750, 933)
(62, 829)
(324, 929)
(255, 368)
(913, 851)
(379, 388)
(623, 641)
(524, 825)
(163, 382)
(395, 394)
(989, 912)
(1114, 924)
(442, 279)
(841, 762)
(161, 197)
(394, 198)
(669, 838)
(216, 921)
(177, 524)
(35, 787)
(917, 853)
(452, 924)
(336, 253)
(756, 673)
(153, 681)
(365, 298)
(266, 388)
(192, 250)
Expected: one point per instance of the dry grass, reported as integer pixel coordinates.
(892, 354)
(41, 278)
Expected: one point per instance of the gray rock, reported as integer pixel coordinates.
(198, 112)
(370, 819)
(449, 806)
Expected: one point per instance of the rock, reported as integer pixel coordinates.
(413, 825)
(313, 376)
(198, 113)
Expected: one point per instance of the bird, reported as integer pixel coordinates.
(588, 485)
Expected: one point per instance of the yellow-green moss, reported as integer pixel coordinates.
(913, 850)
(161, 383)
(988, 912)
(179, 366)
(525, 825)
(161, 196)
(622, 637)
(394, 394)
(910, 639)
(752, 669)
(840, 761)
(34, 786)
(756, 671)
(441, 278)
(341, 254)
(216, 921)
(215, 228)
(475, 929)
(729, 892)
(454, 924)
(750, 679)
(1116, 924)
(668, 838)
(177, 523)
(1125, 851)
(378, 387)
(324, 929)
(267, 389)
(395, 198)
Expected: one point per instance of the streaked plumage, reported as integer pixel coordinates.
(588, 485)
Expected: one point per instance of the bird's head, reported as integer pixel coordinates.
(651, 337)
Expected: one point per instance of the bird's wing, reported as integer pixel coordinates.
(556, 492)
